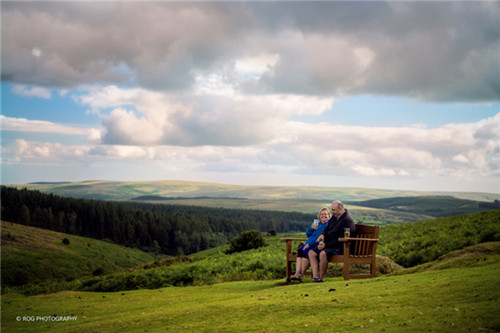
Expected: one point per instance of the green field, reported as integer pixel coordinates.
(450, 300)
(107, 190)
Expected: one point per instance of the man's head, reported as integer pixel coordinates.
(337, 208)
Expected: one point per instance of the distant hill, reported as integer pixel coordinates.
(436, 206)
(108, 190)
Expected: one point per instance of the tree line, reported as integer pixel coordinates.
(159, 228)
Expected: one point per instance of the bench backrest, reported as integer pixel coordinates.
(361, 247)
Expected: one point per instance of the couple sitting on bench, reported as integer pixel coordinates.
(323, 241)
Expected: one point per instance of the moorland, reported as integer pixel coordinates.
(63, 271)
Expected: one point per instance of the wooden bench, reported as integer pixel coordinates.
(357, 250)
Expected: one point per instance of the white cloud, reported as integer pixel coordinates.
(256, 66)
(315, 149)
(24, 91)
(40, 126)
(36, 52)
(208, 116)
(26, 151)
(123, 152)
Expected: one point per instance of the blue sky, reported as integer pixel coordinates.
(366, 110)
(392, 95)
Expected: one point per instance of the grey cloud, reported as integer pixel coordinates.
(440, 51)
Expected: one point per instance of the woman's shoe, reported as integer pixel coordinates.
(316, 280)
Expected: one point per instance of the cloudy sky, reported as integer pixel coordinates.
(392, 95)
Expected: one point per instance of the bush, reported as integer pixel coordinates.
(245, 241)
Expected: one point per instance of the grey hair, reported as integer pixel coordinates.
(339, 203)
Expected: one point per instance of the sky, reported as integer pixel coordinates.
(389, 95)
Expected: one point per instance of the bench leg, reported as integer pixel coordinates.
(373, 267)
(288, 270)
(346, 270)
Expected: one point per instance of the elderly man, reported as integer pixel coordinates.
(329, 244)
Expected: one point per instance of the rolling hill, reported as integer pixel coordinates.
(109, 190)
(34, 255)
(436, 206)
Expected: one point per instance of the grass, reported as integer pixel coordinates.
(31, 255)
(481, 254)
(456, 293)
(450, 300)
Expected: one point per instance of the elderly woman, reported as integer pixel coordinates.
(312, 233)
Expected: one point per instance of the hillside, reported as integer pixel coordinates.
(165, 229)
(108, 190)
(412, 244)
(447, 300)
(479, 255)
(407, 244)
(365, 215)
(33, 255)
(431, 205)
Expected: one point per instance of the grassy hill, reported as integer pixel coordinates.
(447, 300)
(472, 256)
(458, 292)
(34, 255)
(431, 205)
(107, 190)
(407, 244)
(412, 244)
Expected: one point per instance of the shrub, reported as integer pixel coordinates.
(245, 241)
(271, 233)
(98, 271)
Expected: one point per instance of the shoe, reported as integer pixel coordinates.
(295, 277)
(314, 280)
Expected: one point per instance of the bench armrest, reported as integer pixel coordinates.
(292, 239)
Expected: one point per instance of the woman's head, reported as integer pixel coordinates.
(324, 215)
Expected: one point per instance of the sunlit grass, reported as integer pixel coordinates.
(452, 300)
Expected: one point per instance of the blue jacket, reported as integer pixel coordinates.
(313, 234)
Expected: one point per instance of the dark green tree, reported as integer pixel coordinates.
(247, 240)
